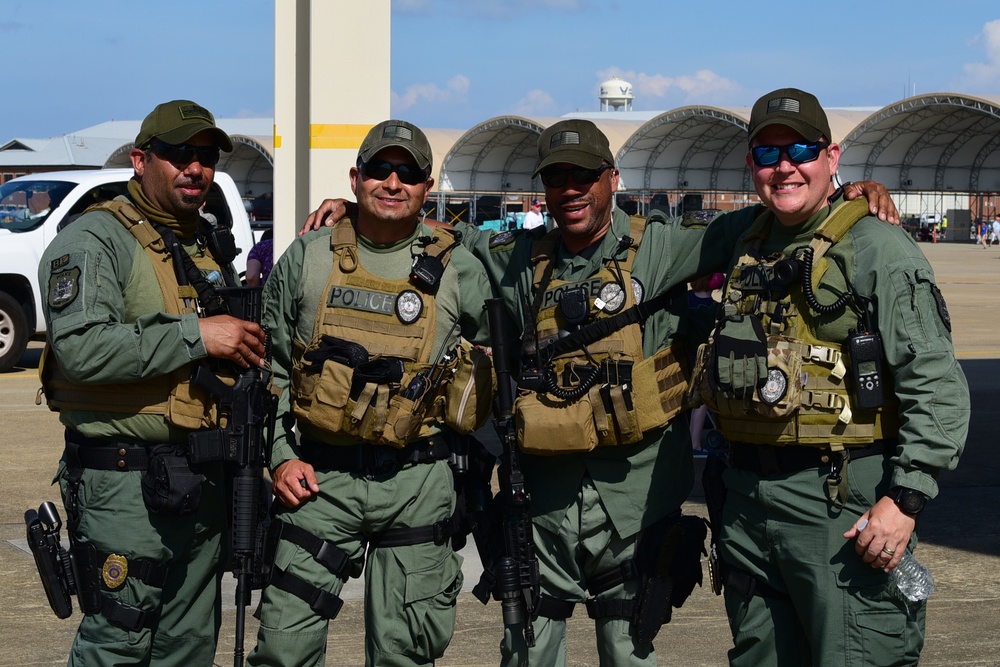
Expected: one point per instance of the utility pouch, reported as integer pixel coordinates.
(669, 562)
(469, 395)
(548, 425)
(740, 359)
(320, 398)
(169, 485)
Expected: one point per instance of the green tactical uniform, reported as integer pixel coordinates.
(410, 590)
(803, 595)
(590, 509)
(107, 325)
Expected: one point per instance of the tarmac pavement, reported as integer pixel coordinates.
(959, 532)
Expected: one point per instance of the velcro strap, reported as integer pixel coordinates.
(438, 533)
(322, 602)
(329, 555)
(145, 570)
(127, 617)
(617, 608)
(607, 580)
(557, 610)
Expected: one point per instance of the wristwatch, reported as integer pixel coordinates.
(910, 501)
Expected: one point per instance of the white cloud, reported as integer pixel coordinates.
(535, 103)
(989, 71)
(430, 93)
(704, 86)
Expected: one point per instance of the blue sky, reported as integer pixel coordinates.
(73, 63)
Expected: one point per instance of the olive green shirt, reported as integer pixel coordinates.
(295, 290)
(638, 483)
(884, 262)
(106, 322)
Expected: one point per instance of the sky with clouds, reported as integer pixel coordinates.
(455, 63)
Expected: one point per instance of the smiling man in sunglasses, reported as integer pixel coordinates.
(124, 335)
(371, 325)
(834, 378)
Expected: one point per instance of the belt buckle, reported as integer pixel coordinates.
(379, 462)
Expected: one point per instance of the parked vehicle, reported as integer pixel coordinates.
(34, 208)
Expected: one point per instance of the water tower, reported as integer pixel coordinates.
(616, 94)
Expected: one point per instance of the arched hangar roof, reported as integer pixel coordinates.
(499, 155)
(938, 141)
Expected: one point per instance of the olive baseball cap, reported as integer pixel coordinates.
(177, 121)
(793, 108)
(397, 133)
(573, 141)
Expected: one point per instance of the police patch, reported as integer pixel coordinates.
(114, 571)
(64, 287)
(502, 240)
(638, 291)
(942, 307)
(409, 305)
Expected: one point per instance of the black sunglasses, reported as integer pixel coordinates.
(408, 173)
(185, 154)
(555, 177)
(798, 153)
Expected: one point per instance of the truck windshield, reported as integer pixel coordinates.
(24, 205)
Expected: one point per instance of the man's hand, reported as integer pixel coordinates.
(879, 202)
(888, 528)
(228, 337)
(294, 483)
(329, 213)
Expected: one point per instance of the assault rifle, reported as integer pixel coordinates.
(517, 581)
(248, 410)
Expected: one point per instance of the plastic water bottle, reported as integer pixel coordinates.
(913, 579)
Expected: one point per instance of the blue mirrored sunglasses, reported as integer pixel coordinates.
(798, 153)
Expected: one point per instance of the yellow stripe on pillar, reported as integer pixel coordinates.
(337, 135)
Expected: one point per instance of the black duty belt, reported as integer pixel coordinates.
(767, 460)
(105, 453)
(373, 461)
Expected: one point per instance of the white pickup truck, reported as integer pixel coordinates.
(34, 208)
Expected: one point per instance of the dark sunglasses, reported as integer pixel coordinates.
(554, 177)
(185, 154)
(408, 173)
(798, 153)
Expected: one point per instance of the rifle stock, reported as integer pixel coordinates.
(244, 445)
(517, 579)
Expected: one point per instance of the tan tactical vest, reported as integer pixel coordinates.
(171, 395)
(816, 408)
(363, 308)
(618, 411)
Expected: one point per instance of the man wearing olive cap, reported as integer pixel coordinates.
(146, 525)
(838, 390)
(372, 323)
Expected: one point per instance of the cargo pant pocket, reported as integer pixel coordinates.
(429, 600)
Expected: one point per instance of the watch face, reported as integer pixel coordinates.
(910, 501)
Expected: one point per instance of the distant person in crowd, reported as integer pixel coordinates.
(260, 260)
(534, 217)
(702, 311)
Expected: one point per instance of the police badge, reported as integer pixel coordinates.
(775, 387)
(611, 298)
(409, 305)
(64, 287)
(114, 571)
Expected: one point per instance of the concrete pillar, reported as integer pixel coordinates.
(331, 85)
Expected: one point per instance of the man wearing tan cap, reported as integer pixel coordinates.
(146, 525)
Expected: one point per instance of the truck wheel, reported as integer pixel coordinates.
(13, 332)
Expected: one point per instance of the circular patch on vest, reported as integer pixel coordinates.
(611, 297)
(638, 290)
(409, 305)
(775, 387)
(114, 571)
